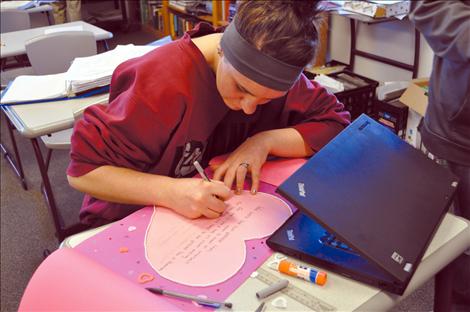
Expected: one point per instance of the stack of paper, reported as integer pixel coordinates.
(35, 88)
(332, 85)
(95, 71)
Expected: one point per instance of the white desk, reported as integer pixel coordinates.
(45, 8)
(340, 293)
(13, 43)
(35, 120)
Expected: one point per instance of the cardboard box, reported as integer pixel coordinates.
(416, 98)
(416, 95)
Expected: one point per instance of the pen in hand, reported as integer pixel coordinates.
(202, 301)
(201, 171)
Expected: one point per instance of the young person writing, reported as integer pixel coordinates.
(240, 92)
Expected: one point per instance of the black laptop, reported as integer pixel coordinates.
(369, 205)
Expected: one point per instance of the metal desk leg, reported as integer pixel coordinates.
(49, 19)
(47, 190)
(443, 289)
(16, 162)
(61, 231)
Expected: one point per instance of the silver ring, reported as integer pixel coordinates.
(244, 164)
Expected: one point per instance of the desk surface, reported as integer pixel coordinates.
(13, 43)
(35, 120)
(40, 8)
(13, 5)
(340, 293)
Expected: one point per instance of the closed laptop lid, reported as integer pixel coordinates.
(378, 194)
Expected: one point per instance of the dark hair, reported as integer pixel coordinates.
(281, 29)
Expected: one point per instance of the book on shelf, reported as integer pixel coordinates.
(180, 24)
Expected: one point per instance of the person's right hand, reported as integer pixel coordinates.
(194, 198)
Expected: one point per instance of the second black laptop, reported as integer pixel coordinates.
(369, 205)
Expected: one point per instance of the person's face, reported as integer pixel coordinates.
(239, 92)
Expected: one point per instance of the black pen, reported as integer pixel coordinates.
(260, 307)
(201, 301)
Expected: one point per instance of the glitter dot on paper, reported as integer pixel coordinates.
(145, 278)
(138, 262)
(123, 249)
(95, 250)
(131, 228)
(254, 274)
(279, 302)
(110, 238)
(130, 272)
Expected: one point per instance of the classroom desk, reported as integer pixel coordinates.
(45, 8)
(35, 120)
(13, 43)
(340, 293)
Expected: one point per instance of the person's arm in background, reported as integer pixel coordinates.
(445, 25)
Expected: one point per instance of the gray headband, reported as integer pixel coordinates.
(256, 65)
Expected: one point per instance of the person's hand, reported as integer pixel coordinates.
(248, 158)
(194, 198)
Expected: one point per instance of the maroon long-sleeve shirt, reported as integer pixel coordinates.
(164, 112)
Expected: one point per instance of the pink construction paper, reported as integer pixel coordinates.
(70, 281)
(130, 233)
(274, 171)
(206, 252)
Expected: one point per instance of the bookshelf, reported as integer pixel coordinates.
(174, 17)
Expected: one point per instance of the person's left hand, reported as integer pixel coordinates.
(248, 158)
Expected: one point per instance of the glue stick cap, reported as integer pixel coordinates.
(284, 266)
(321, 278)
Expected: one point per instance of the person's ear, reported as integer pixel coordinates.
(219, 51)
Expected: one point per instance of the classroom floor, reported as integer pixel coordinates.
(26, 225)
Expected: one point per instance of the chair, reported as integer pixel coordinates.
(13, 20)
(51, 54)
(54, 53)
(71, 44)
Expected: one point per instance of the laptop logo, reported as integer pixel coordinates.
(301, 187)
(397, 258)
(290, 235)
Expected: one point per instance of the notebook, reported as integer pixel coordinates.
(369, 204)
